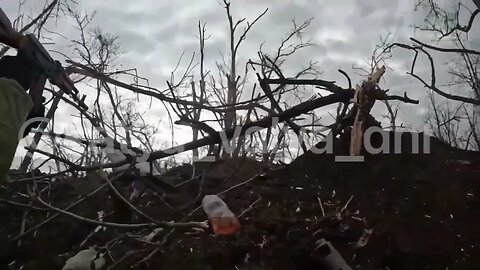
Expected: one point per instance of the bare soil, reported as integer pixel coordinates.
(423, 211)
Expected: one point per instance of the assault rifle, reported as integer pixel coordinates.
(40, 59)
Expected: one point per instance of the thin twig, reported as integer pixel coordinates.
(95, 222)
(250, 207)
(345, 206)
(321, 206)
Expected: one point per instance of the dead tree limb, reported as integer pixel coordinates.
(84, 70)
(268, 92)
(440, 49)
(343, 96)
(36, 138)
(432, 85)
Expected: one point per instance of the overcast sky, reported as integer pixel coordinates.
(154, 33)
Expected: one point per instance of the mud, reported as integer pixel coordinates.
(422, 209)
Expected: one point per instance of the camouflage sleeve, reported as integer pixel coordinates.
(15, 104)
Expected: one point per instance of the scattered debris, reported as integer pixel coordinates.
(273, 233)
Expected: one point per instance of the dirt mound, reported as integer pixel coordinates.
(421, 209)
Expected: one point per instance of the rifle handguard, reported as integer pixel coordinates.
(40, 59)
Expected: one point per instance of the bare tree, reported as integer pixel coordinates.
(449, 118)
(226, 92)
(444, 121)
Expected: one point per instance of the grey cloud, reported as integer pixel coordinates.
(154, 34)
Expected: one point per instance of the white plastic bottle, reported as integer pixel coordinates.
(223, 221)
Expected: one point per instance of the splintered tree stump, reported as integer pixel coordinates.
(364, 100)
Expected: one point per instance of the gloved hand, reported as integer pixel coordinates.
(19, 69)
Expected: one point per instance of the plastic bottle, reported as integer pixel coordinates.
(223, 221)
